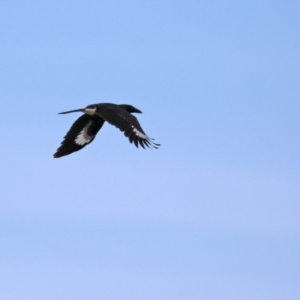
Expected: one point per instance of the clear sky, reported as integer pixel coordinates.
(214, 213)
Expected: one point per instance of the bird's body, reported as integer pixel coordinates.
(85, 128)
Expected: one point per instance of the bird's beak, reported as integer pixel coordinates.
(137, 111)
(70, 111)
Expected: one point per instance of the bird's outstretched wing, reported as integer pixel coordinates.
(81, 133)
(128, 124)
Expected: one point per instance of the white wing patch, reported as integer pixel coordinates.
(138, 133)
(83, 138)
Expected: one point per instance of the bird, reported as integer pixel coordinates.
(85, 128)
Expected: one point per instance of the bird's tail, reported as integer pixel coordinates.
(71, 111)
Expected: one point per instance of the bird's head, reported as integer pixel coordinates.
(130, 108)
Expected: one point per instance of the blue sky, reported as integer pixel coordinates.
(212, 214)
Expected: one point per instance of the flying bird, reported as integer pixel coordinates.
(85, 128)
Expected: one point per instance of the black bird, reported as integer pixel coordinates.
(85, 128)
